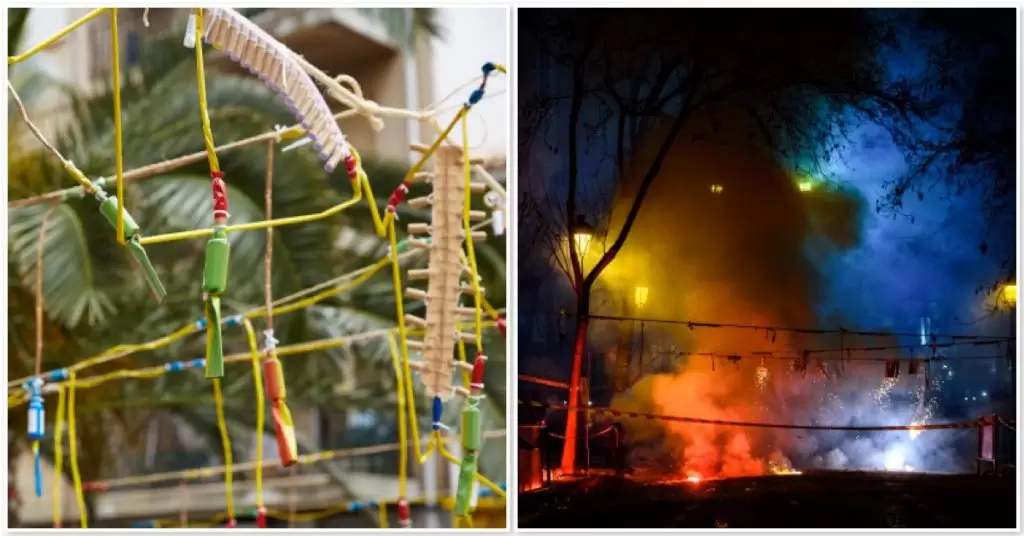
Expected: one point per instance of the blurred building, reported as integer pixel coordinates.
(391, 73)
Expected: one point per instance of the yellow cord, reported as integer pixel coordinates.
(278, 222)
(226, 441)
(123, 349)
(115, 52)
(257, 378)
(470, 250)
(58, 454)
(403, 442)
(211, 148)
(11, 60)
(382, 514)
(76, 476)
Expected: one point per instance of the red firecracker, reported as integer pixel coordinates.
(404, 519)
(501, 325)
(232, 523)
(261, 517)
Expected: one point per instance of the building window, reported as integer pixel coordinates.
(133, 34)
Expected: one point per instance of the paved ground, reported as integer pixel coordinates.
(812, 500)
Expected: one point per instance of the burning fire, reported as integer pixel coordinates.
(693, 478)
(782, 469)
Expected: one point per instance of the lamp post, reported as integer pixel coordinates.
(581, 238)
(1008, 294)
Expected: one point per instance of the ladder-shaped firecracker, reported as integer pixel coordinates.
(215, 277)
(277, 67)
(443, 238)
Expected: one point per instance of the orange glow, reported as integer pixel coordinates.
(693, 479)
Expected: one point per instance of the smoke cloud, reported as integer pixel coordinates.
(727, 236)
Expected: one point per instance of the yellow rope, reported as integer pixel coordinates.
(403, 442)
(115, 52)
(204, 115)
(123, 350)
(257, 379)
(11, 60)
(225, 439)
(58, 455)
(382, 514)
(76, 476)
(470, 250)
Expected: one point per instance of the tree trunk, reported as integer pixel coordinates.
(579, 348)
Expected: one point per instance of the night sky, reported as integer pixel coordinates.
(900, 121)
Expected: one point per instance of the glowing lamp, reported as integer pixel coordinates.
(1010, 293)
(717, 188)
(582, 240)
(640, 297)
(805, 186)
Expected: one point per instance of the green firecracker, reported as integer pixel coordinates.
(108, 208)
(464, 489)
(215, 281)
(214, 339)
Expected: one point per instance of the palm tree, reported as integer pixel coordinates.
(94, 298)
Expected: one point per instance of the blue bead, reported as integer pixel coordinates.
(58, 375)
(476, 96)
(354, 507)
(488, 68)
(197, 363)
(201, 323)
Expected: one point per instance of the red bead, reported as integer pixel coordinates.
(261, 517)
(220, 195)
(56, 524)
(477, 378)
(350, 166)
(501, 326)
(232, 523)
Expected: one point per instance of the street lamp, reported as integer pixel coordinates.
(581, 236)
(1010, 294)
(582, 240)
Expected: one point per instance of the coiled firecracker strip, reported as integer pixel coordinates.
(275, 65)
(215, 278)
